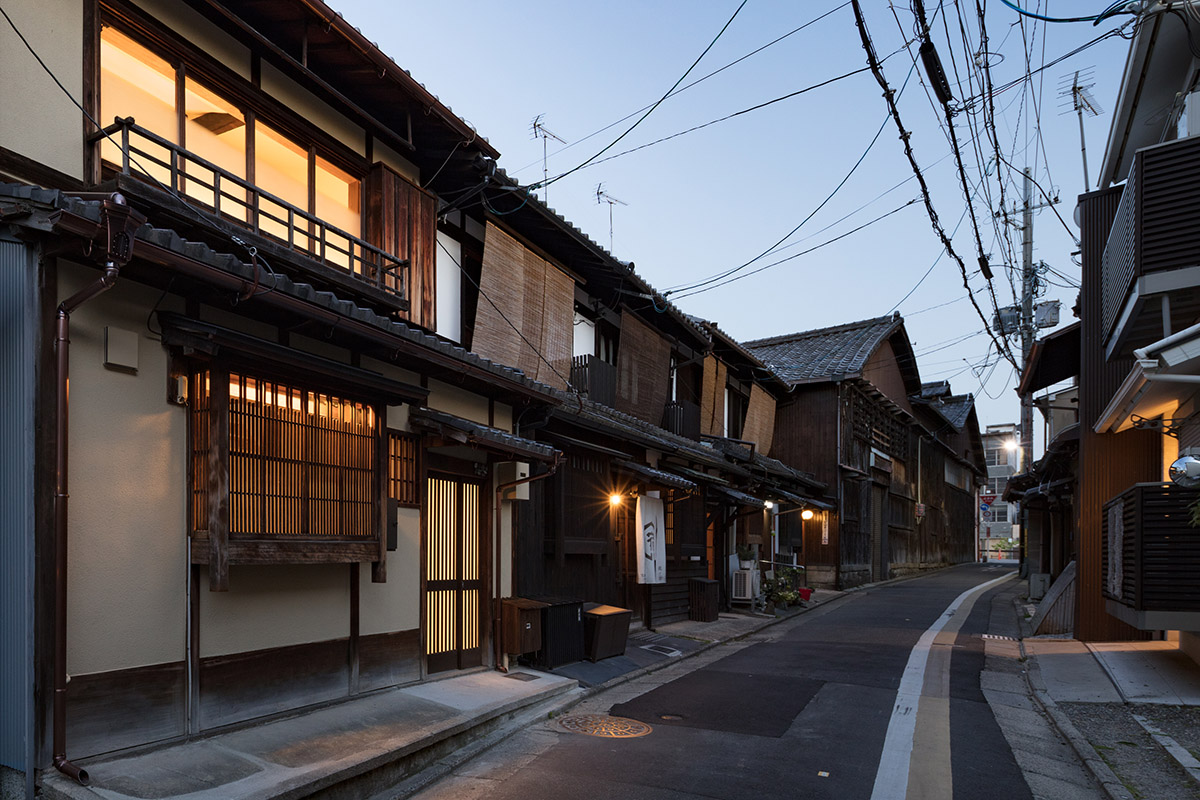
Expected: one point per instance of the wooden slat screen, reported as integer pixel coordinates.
(712, 400)
(200, 433)
(534, 296)
(643, 370)
(760, 419)
(402, 220)
(403, 469)
(301, 463)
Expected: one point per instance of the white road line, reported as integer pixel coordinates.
(891, 781)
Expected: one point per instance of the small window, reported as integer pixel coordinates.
(402, 469)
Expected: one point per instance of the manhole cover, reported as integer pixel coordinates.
(521, 676)
(662, 650)
(603, 725)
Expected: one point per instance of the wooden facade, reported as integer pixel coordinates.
(1109, 463)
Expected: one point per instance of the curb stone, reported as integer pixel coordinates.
(1103, 773)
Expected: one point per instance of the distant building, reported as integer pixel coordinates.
(999, 524)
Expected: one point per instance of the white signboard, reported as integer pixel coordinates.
(651, 541)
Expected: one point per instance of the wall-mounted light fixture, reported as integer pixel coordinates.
(807, 514)
(615, 499)
(768, 505)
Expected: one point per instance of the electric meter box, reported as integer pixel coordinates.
(509, 471)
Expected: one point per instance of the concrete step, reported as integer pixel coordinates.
(348, 751)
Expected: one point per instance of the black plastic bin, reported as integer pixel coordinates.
(605, 630)
(704, 597)
(562, 632)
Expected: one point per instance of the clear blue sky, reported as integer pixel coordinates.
(716, 198)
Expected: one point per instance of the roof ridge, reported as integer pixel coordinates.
(814, 333)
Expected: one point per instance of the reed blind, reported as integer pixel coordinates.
(712, 399)
(760, 419)
(643, 370)
(524, 291)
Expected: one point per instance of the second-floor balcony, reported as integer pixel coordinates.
(1151, 262)
(595, 378)
(237, 207)
(1150, 568)
(682, 418)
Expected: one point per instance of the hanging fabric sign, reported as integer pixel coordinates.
(651, 541)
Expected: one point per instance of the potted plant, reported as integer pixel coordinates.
(745, 554)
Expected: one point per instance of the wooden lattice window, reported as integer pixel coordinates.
(281, 473)
(403, 469)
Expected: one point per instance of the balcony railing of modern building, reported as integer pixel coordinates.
(227, 198)
(1150, 269)
(1150, 557)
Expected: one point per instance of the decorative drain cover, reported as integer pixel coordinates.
(604, 725)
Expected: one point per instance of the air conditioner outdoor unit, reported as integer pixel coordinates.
(745, 584)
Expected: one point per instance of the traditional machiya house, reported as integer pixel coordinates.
(905, 463)
(643, 402)
(1046, 490)
(279, 478)
(1138, 371)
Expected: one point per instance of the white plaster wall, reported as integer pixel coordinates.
(39, 121)
(504, 417)
(200, 32)
(320, 348)
(127, 561)
(1189, 643)
(274, 606)
(392, 371)
(506, 551)
(396, 161)
(460, 402)
(395, 605)
(307, 105)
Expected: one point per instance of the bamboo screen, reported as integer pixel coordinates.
(528, 293)
(643, 370)
(712, 399)
(760, 419)
(402, 469)
(301, 463)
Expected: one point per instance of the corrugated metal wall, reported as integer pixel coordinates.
(17, 354)
(1108, 463)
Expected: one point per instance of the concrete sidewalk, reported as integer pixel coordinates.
(1131, 710)
(360, 747)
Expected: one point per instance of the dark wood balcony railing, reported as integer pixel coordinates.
(150, 157)
(1150, 551)
(595, 378)
(1156, 230)
(682, 418)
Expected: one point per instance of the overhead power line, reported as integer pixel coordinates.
(649, 111)
(905, 136)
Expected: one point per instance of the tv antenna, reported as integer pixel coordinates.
(540, 131)
(1076, 91)
(604, 197)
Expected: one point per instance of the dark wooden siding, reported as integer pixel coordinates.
(806, 432)
(669, 601)
(402, 220)
(1109, 463)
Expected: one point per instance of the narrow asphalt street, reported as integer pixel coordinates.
(824, 705)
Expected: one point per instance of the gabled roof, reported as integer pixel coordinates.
(834, 353)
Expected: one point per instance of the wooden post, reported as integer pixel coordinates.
(218, 482)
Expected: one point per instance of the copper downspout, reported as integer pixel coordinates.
(120, 222)
(497, 610)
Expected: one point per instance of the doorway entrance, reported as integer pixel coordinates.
(453, 574)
